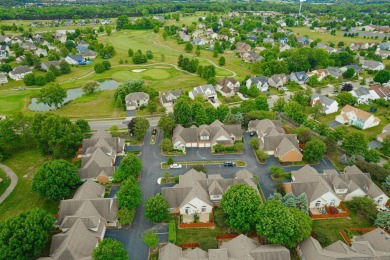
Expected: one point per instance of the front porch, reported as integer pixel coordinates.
(201, 218)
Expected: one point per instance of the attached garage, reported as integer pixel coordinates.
(208, 145)
(194, 144)
(201, 145)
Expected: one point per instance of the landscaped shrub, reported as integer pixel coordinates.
(262, 156)
(125, 216)
(220, 217)
(172, 231)
(207, 243)
(333, 210)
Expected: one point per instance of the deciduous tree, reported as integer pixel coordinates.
(355, 143)
(90, 87)
(314, 150)
(25, 235)
(383, 220)
(242, 212)
(52, 94)
(129, 194)
(110, 249)
(130, 166)
(156, 209)
(55, 180)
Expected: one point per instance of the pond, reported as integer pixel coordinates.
(72, 95)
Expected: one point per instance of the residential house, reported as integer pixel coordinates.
(168, 98)
(98, 156)
(269, 40)
(274, 141)
(299, 77)
(206, 135)
(251, 57)
(283, 40)
(105, 21)
(4, 52)
(384, 46)
(46, 65)
(243, 47)
(334, 72)
(354, 116)
(196, 194)
(197, 34)
(362, 94)
(372, 245)
(284, 47)
(380, 92)
(383, 53)
(184, 37)
(330, 187)
(385, 133)
(261, 82)
(228, 86)
(355, 46)
(89, 55)
(373, 65)
(28, 46)
(19, 72)
(252, 38)
(207, 91)
(357, 69)
(199, 41)
(74, 59)
(303, 40)
(319, 73)
(240, 247)
(41, 52)
(136, 99)
(83, 221)
(82, 46)
(277, 80)
(3, 78)
(329, 105)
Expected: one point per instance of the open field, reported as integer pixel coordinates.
(328, 38)
(25, 164)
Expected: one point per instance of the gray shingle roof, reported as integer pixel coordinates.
(362, 91)
(89, 190)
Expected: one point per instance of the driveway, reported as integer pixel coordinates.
(374, 144)
(151, 158)
(334, 124)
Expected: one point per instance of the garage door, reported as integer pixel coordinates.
(194, 144)
(201, 145)
(208, 145)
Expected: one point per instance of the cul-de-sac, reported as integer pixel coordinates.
(195, 130)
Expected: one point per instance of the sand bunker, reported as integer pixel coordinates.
(137, 71)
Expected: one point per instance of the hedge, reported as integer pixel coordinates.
(172, 231)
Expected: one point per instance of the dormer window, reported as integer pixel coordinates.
(204, 138)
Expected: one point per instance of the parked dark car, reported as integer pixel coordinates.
(229, 164)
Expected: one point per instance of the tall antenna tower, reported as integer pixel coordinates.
(300, 9)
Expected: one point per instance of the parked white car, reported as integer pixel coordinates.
(175, 166)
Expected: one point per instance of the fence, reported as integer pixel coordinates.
(346, 237)
(189, 245)
(196, 225)
(344, 214)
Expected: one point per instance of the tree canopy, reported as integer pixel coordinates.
(55, 180)
(314, 150)
(156, 209)
(110, 249)
(129, 166)
(25, 235)
(52, 94)
(242, 212)
(129, 194)
(282, 225)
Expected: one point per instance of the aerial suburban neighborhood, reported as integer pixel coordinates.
(203, 130)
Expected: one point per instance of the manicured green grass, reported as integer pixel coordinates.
(5, 182)
(25, 163)
(331, 228)
(100, 104)
(328, 38)
(14, 100)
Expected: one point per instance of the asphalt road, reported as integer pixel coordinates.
(106, 124)
(152, 159)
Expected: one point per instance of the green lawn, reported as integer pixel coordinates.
(25, 163)
(5, 182)
(330, 228)
(328, 38)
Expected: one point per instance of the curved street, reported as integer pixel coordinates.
(14, 180)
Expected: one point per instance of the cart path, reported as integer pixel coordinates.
(14, 180)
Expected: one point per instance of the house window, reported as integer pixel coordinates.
(332, 202)
(318, 203)
(204, 138)
(187, 210)
(203, 209)
(379, 201)
(215, 196)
